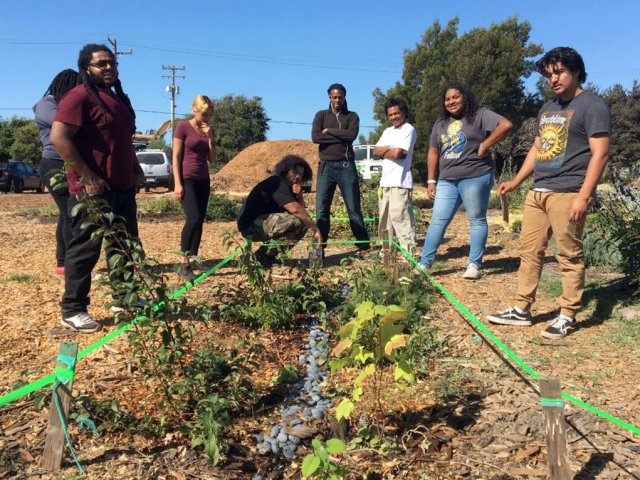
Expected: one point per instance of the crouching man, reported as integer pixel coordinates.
(274, 209)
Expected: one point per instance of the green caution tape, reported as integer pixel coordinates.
(551, 402)
(65, 374)
(476, 323)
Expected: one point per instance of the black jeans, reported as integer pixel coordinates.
(83, 252)
(194, 204)
(344, 175)
(48, 168)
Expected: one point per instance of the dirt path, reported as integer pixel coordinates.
(496, 433)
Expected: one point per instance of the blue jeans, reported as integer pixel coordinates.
(473, 193)
(344, 175)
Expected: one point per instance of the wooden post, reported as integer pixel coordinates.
(54, 443)
(556, 429)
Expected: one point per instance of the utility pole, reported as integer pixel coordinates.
(173, 88)
(114, 44)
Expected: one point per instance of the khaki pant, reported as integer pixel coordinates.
(396, 216)
(547, 213)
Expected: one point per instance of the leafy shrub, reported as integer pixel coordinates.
(259, 302)
(165, 204)
(616, 228)
(518, 196)
(220, 208)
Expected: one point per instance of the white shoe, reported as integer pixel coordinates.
(140, 304)
(472, 272)
(81, 322)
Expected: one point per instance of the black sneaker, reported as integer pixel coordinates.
(187, 273)
(510, 316)
(559, 328)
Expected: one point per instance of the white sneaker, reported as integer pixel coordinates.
(81, 322)
(472, 272)
(140, 304)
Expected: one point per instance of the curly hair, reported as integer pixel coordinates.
(291, 162)
(568, 57)
(470, 106)
(397, 102)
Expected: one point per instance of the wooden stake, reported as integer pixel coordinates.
(556, 429)
(54, 443)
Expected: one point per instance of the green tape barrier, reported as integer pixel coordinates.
(49, 379)
(67, 374)
(469, 316)
(551, 402)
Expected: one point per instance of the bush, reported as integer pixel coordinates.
(165, 204)
(518, 196)
(221, 209)
(615, 229)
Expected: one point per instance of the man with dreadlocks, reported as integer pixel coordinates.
(92, 133)
(334, 130)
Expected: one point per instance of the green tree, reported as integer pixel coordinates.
(8, 133)
(238, 122)
(493, 61)
(625, 125)
(26, 143)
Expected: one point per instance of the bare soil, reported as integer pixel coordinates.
(493, 430)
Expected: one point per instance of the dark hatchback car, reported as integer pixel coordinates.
(16, 176)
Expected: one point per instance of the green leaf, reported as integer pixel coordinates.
(403, 372)
(344, 409)
(335, 445)
(356, 394)
(309, 465)
(364, 373)
(77, 208)
(361, 355)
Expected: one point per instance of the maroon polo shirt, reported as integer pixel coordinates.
(103, 139)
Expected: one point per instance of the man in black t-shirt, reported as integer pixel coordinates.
(274, 209)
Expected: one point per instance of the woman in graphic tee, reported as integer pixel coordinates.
(460, 156)
(193, 150)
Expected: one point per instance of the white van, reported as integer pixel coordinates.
(366, 162)
(157, 169)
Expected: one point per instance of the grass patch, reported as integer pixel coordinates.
(163, 205)
(21, 278)
(45, 211)
(449, 385)
(551, 286)
(627, 334)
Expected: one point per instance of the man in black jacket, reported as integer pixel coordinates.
(334, 130)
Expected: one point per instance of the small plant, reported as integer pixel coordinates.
(518, 196)
(260, 302)
(319, 463)
(368, 341)
(162, 205)
(220, 208)
(21, 278)
(618, 225)
(288, 374)
(45, 211)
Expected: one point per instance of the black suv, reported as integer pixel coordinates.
(16, 176)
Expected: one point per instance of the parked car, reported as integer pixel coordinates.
(157, 169)
(367, 163)
(16, 176)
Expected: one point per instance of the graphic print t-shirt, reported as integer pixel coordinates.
(457, 140)
(564, 130)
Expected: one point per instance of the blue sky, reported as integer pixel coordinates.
(286, 52)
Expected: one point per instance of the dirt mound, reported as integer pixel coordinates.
(251, 165)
